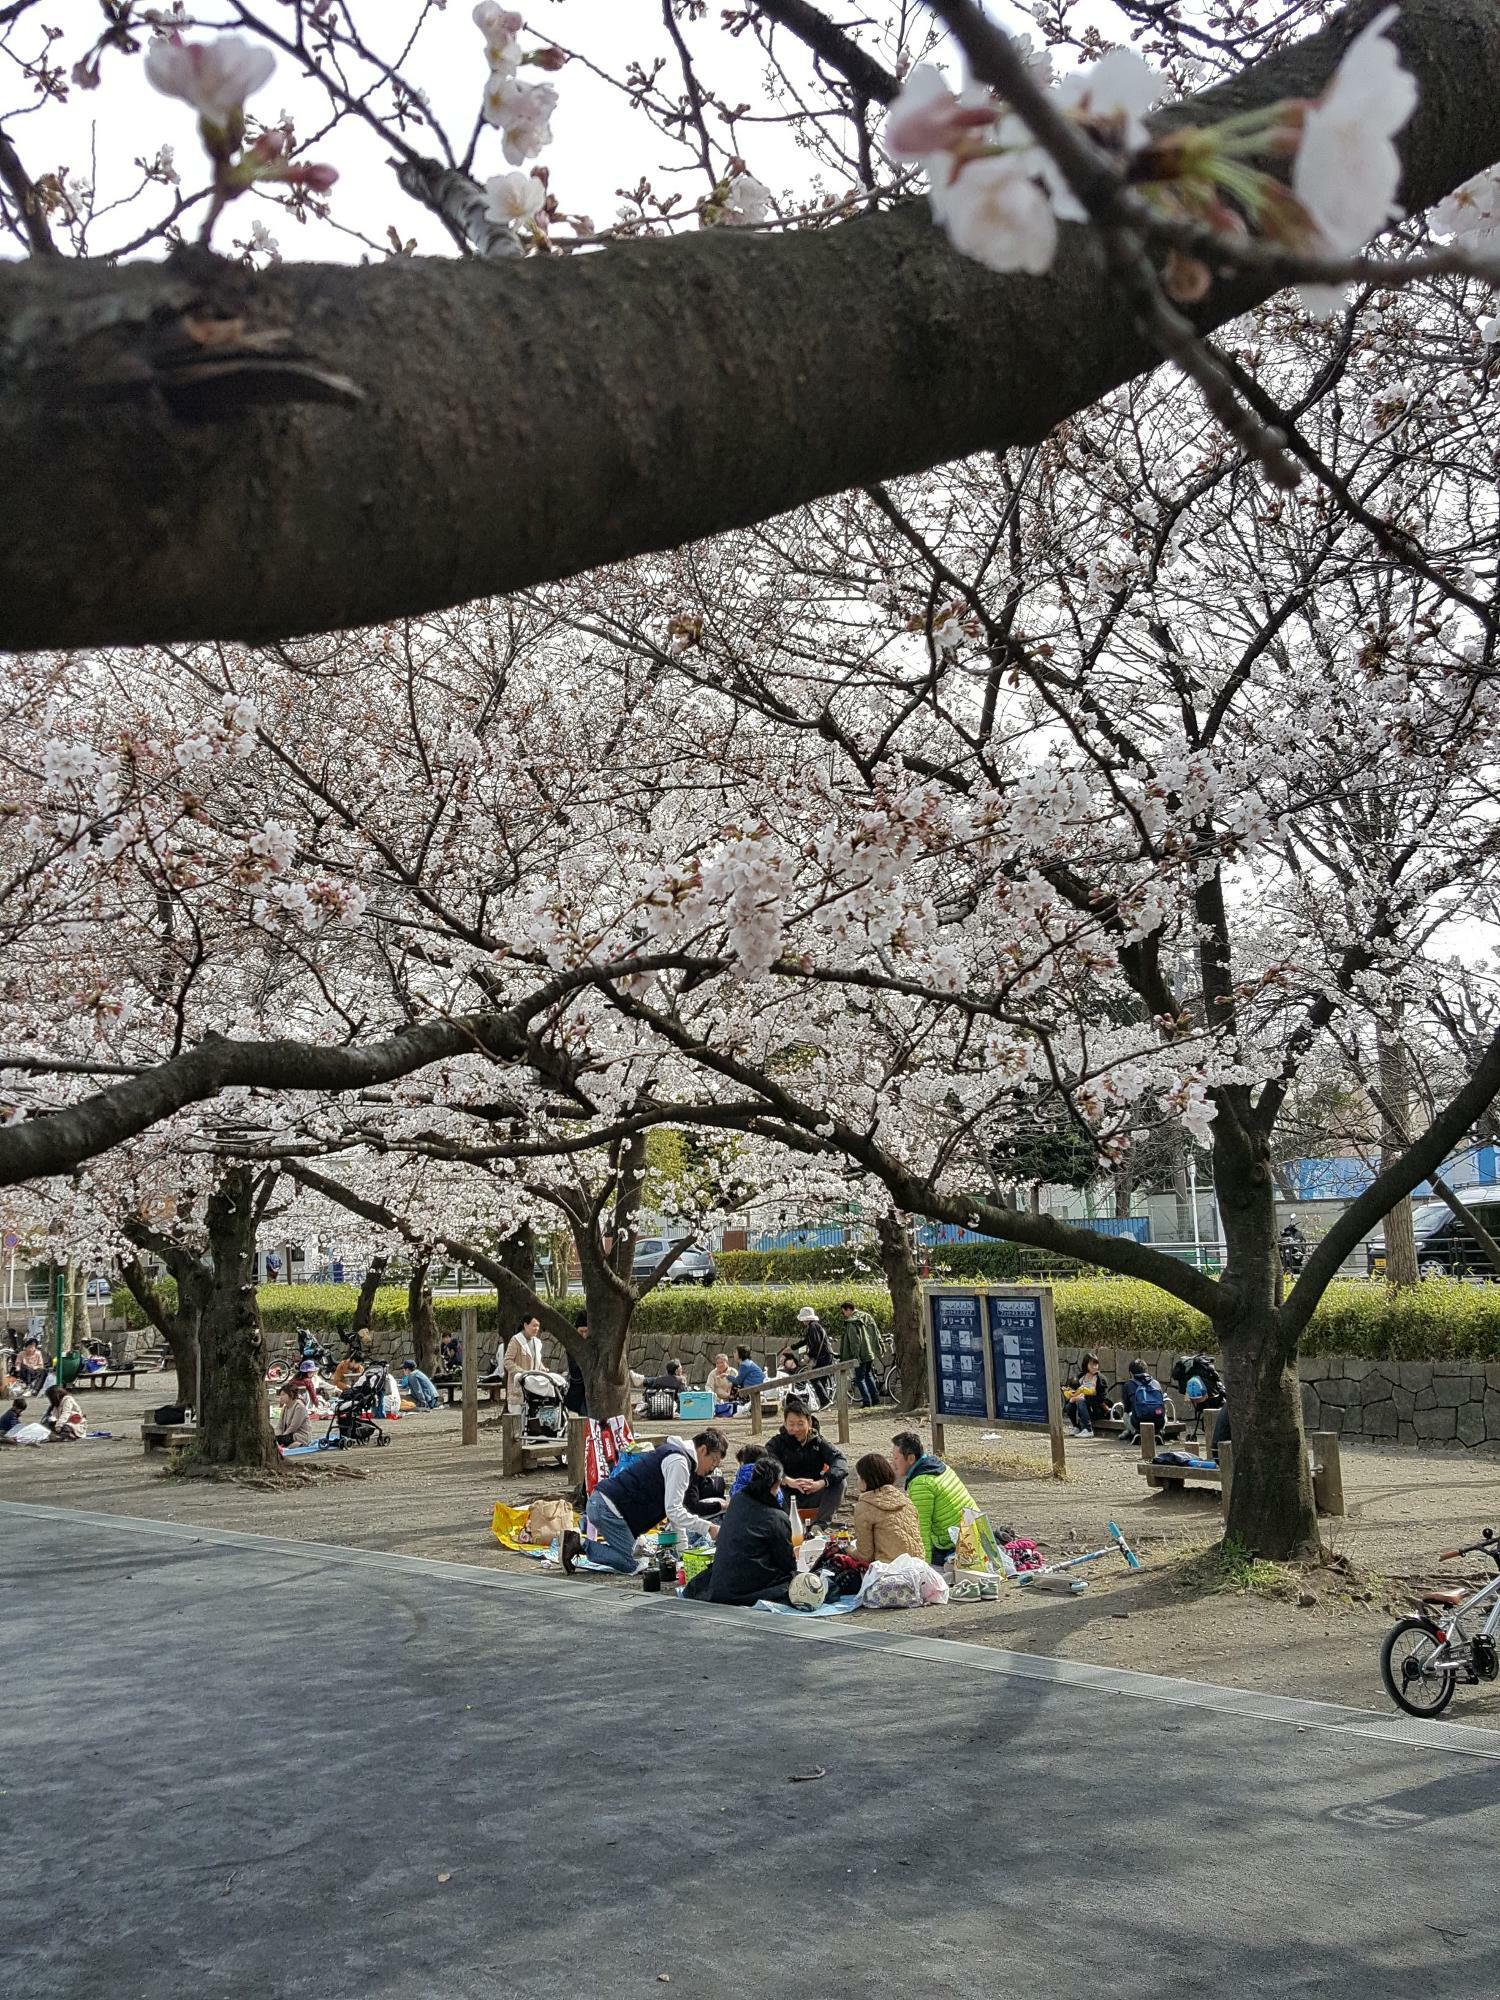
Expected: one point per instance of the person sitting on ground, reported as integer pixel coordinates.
(31, 1365)
(647, 1488)
(14, 1417)
(1144, 1403)
(885, 1521)
(720, 1384)
(813, 1471)
(746, 1374)
(294, 1418)
(745, 1458)
(421, 1388)
(673, 1381)
(753, 1557)
(1086, 1398)
(935, 1490)
(450, 1355)
(62, 1417)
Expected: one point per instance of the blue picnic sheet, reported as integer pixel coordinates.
(835, 1610)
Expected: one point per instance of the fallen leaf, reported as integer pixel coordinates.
(445, 1878)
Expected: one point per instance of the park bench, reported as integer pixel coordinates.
(162, 1437)
(107, 1378)
(452, 1387)
(1323, 1455)
(1115, 1427)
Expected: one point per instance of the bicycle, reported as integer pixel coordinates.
(1425, 1658)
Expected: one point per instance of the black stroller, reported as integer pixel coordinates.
(355, 1413)
(545, 1413)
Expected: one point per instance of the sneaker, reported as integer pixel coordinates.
(571, 1550)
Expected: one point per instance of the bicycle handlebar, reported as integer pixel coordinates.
(1488, 1542)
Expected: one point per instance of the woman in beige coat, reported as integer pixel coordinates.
(885, 1521)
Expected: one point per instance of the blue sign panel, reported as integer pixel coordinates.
(1019, 1349)
(958, 1355)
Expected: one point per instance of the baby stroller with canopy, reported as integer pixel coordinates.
(544, 1413)
(355, 1413)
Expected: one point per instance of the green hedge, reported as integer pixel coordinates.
(997, 1261)
(1443, 1319)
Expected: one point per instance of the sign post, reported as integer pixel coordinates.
(992, 1359)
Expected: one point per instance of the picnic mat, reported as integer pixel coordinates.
(835, 1610)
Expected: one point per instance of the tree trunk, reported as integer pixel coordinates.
(234, 1422)
(1395, 1094)
(364, 1305)
(420, 1318)
(605, 1352)
(1271, 1503)
(178, 1329)
(79, 1329)
(898, 1262)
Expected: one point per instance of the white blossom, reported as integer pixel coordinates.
(749, 202)
(513, 199)
(523, 112)
(1347, 168)
(214, 77)
(996, 213)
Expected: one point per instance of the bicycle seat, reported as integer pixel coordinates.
(1449, 1596)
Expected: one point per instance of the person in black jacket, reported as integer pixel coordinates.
(753, 1557)
(813, 1470)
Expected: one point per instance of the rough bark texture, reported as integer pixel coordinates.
(178, 1329)
(637, 399)
(1395, 1094)
(421, 1320)
(899, 1264)
(1271, 1506)
(234, 1421)
(364, 1305)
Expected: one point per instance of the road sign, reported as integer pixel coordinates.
(992, 1358)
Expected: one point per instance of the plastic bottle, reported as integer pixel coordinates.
(795, 1521)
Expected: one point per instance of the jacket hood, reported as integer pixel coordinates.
(884, 1499)
(926, 1465)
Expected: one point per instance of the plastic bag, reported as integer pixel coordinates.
(975, 1547)
(546, 1519)
(903, 1584)
(508, 1525)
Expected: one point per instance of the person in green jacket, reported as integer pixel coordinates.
(859, 1341)
(935, 1490)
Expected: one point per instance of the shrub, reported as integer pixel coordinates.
(729, 1314)
(329, 1309)
(854, 1261)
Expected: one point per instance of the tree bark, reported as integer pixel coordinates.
(234, 1422)
(420, 1318)
(1395, 1093)
(899, 1264)
(364, 1305)
(178, 1329)
(1271, 1503)
(800, 364)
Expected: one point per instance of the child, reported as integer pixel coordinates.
(745, 1457)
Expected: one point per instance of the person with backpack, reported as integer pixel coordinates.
(1196, 1377)
(1144, 1403)
(859, 1341)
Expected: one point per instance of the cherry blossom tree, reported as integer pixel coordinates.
(827, 328)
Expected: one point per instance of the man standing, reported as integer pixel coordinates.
(859, 1341)
(935, 1490)
(650, 1487)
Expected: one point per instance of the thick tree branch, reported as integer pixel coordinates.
(801, 364)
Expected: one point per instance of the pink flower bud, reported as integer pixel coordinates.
(315, 176)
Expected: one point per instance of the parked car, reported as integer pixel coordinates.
(1445, 1248)
(692, 1267)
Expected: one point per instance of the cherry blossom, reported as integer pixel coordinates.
(995, 212)
(523, 112)
(1347, 169)
(214, 77)
(513, 199)
(748, 202)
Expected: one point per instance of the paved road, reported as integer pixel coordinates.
(239, 1768)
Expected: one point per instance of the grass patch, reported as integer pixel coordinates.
(1230, 1565)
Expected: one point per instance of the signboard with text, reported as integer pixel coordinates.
(992, 1358)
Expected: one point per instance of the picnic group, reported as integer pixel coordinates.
(37, 1404)
(765, 1528)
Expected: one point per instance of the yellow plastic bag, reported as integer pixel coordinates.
(508, 1526)
(976, 1548)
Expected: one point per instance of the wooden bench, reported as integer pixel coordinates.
(107, 1378)
(162, 1437)
(1115, 1427)
(452, 1387)
(1158, 1476)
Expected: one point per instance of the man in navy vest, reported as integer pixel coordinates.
(650, 1487)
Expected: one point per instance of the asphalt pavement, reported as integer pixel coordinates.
(241, 1767)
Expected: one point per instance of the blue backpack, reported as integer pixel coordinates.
(1150, 1404)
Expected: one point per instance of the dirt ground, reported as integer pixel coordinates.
(425, 1495)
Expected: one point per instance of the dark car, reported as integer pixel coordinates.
(1445, 1248)
(691, 1267)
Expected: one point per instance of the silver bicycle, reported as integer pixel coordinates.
(1450, 1642)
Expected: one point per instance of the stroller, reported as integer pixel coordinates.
(355, 1413)
(544, 1418)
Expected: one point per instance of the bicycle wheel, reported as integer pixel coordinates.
(1404, 1659)
(890, 1382)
